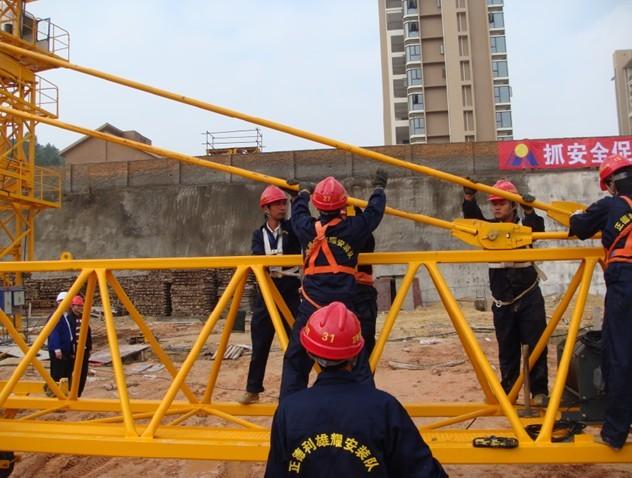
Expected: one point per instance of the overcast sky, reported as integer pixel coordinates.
(312, 64)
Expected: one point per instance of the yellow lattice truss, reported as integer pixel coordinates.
(161, 428)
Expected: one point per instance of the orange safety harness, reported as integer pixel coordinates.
(320, 244)
(622, 254)
(364, 278)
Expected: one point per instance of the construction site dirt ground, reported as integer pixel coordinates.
(424, 339)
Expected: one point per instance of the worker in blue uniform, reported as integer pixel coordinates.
(518, 305)
(274, 237)
(340, 427)
(61, 345)
(331, 245)
(612, 216)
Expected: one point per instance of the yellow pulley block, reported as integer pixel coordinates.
(492, 235)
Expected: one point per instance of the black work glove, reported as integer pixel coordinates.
(468, 190)
(302, 185)
(527, 198)
(380, 179)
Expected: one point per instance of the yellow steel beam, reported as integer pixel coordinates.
(548, 331)
(378, 258)
(147, 333)
(223, 341)
(383, 158)
(117, 363)
(263, 178)
(195, 352)
(565, 362)
(125, 435)
(450, 447)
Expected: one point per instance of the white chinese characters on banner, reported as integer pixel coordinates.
(599, 153)
(576, 153)
(562, 153)
(622, 148)
(554, 154)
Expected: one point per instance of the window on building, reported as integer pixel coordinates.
(394, 21)
(496, 20)
(399, 65)
(502, 94)
(412, 30)
(494, 2)
(417, 126)
(499, 69)
(503, 119)
(413, 76)
(416, 102)
(465, 71)
(393, 4)
(410, 6)
(413, 53)
(461, 22)
(399, 88)
(464, 49)
(397, 44)
(401, 135)
(401, 111)
(498, 45)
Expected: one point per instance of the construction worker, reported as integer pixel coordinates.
(340, 427)
(612, 216)
(274, 237)
(75, 315)
(331, 245)
(61, 345)
(518, 305)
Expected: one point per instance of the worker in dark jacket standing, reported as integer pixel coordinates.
(612, 216)
(61, 345)
(331, 245)
(274, 237)
(339, 427)
(518, 305)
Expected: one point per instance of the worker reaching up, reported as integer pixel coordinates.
(331, 245)
(518, 305)
(612, 216)
(339, 427)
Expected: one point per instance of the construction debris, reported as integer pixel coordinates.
(233, 352)
(127, 352)
(418, 366)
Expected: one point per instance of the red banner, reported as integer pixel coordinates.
(567, 153)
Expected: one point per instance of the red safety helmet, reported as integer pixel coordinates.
(333, 333)
(329, 195)
(77, 300)
(611, 165)
(271, 194)
(505, 185)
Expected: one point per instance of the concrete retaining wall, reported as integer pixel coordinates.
(163, 208)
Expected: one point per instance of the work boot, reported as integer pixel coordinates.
(600, 439)
(539, 400)
(249, 398)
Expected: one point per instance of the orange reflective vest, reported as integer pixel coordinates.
(320, 244)
(621, 254)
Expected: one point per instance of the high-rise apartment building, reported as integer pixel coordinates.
(622, 60)
(444, 71)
